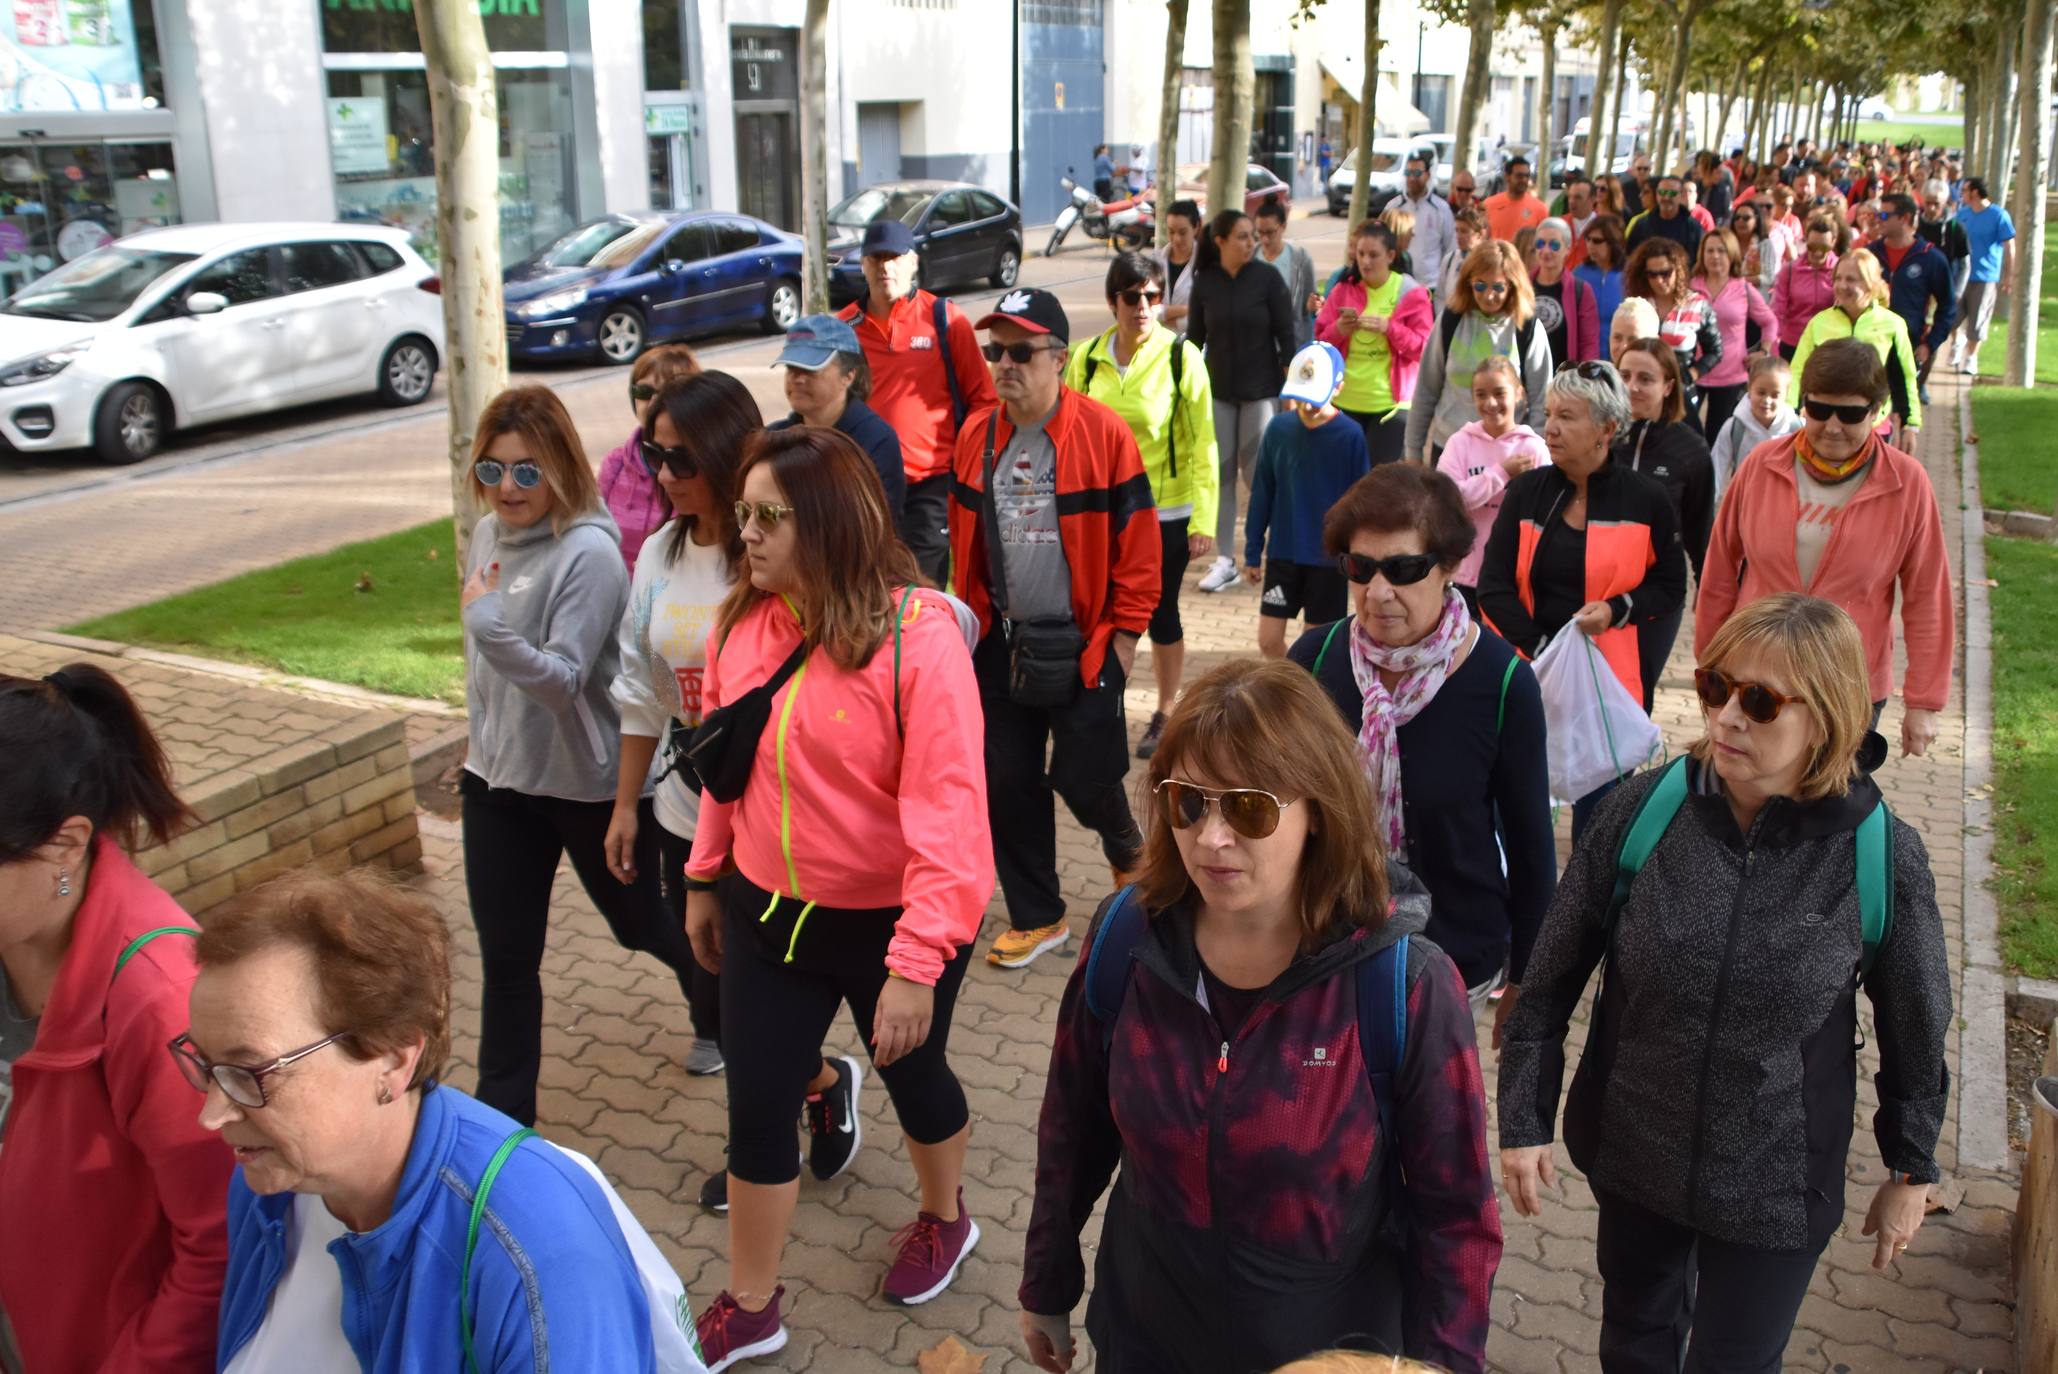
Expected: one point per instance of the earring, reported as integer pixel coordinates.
(63, 883)
(385, 1095)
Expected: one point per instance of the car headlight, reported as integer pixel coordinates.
(46, 366)
(556, 303)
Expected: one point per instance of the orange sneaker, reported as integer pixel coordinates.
(1019, 948)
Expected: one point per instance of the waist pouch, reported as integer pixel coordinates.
(724, 744)
(1043, 662)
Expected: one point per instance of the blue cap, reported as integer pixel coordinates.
(1314, 374)
(814, 340)
(889, 236)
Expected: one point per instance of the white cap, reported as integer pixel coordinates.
(1313, 374)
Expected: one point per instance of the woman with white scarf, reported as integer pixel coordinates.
(1449, 723)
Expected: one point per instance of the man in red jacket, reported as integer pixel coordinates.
(1054, 536)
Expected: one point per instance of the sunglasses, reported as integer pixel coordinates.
(489, 471)
(656, 457)
(1249, 812)
(1668, 195)
(242, 1084)
(1463, 190)
(1016, 352)
(1592, 371)
(1550, 245)
(1659, 273)
(1490, 288)
(1759, 702)
(1850, 415)
(768, 513)
(1401, 570)
(1132, 299)
(639, 392)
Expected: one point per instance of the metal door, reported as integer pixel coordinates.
(1064, 48)
(767, 166)
(878, 144)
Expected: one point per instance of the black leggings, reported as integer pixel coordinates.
(922, 526)
(1721, 402)
(1385, 440)
(779, 998)
(1164, 621)
(512, 843)
(703, 989)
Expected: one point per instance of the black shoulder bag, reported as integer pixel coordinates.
(725, 742)
(1043, 654)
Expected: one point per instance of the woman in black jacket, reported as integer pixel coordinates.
(1664, 445)
(1243, 306)
(1712, 1110)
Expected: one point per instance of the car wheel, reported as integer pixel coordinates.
(1007, 268)
(407, 372)
(782, 306)
(130, 424)
(620, 336)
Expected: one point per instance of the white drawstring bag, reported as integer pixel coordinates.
(1597, 732)
(671, 1317)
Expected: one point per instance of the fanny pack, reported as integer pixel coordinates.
(725, 742)
(1043, 654)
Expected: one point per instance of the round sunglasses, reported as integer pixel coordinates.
(1248, 811)
(1401, 570)
(1759, 702)
(527, 475)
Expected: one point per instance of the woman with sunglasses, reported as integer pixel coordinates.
(110, 1191)
(1738, 310)
(1492, 309)
(1807, 281)
(1763, 250)
(1601, 272)
(1658, 272)
(1449, 723)
(543, 598)
(1883, 533)
(1862, 312)
(632, 495)
(1267, 890)
(1378, 317)
(351, 1236)
(854, 867)
(1565, 305)
(1712, 1109)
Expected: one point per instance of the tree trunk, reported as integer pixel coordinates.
(1548, 34)
(464, 110)
(1674, 98)
(1235, 90)
(2006, 106)
(1168, 115)
(1732, 89)
(1975, 124)
(1368, 121)
(814, 158)
(1661, 114)
(1621, 89)
(1479, 17)
(2032, 183)
(1761, 118)
(1600, 146)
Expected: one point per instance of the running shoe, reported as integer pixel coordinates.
(704, 1058)
(1019, 948)
(714, 1194)
(1154, 732)
(931, 1249)
(833, 1123)
(729, 1335)
(1219, 578)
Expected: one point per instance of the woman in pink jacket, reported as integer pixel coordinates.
(852, 866)
(627, 483)
(1378, 319)
(1807, 285)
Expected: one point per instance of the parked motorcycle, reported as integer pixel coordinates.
(1127, 222)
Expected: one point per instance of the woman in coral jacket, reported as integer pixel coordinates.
(1378, 318)
(852, 869)
(113, 1240)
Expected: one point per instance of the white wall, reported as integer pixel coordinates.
(617, 50)
(947, 68)
(267, 127)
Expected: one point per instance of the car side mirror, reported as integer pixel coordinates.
(206, 303)
(671, 267)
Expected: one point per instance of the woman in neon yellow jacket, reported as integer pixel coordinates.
(1861, 312)
(1156, 381)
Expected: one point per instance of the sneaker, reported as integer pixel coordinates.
(1219, 578)
(728, 1334)
(1152, 733)
(1019, 948)
(1970, 367)
(833, 1122)
(704, 1058)
(931, 1249)
(714, 1194)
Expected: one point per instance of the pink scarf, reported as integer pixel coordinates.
(1423, 666)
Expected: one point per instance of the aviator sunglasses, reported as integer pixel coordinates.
(1402, 570)
(1246, 810)
(528, 476)
(1759, 702)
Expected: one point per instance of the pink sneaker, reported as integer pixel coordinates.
(931, 1249)
(729, 1334)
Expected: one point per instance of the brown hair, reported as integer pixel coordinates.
(665, 363)
(1254, 723)
(850, 562)
(1405, 496)
(1635, 278)
(1609, 227)
(1471, 217)
(76, 745)
(1728, 240)
(1661, 353)
(1484, 258)
(1845, 367)
(380, 954)
(715, 416)
(1818, 645)
(546, 429)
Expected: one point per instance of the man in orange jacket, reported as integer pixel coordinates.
(1055, 540)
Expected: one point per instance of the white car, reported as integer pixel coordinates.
(203, 322)
(1385, 179)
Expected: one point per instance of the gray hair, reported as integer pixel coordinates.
(1937, 186)
(1600, 386)
(1558, 223)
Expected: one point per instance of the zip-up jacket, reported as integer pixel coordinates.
(1741, 434)
(1887, 334)
(1718, 1083)
(1736, 306)
(632, 496)
(552, 1282)
(1407, 330)
(110, 1189)
(910, 388)
(1674, 454)
(1252, 1222)
(1633, 561)
(1473, 460)
(1683, 229)
(1442, 403)
(1246, 324)
(1181, 465)
(1890, 535)
(1691, 331)
(864, 427)
(1107, 522)
(1923, 276)
(1804, 290)
(847, 808)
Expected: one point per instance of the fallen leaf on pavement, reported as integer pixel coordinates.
(949, 1357)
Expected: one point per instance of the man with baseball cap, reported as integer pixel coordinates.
(827, 381)
(1055, 540)
(926, 377)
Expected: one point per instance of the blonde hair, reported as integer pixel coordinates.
(1487, 256)
(1354, 1362)
(665, 363)
(547, 432)
(1643, 316)
(1868, 268)
(1724, 236)
(1816, 644)
(1401, 220)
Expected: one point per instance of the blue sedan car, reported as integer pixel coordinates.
(615, 286)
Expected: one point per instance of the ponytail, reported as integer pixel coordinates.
(1206, 253)
(77, 746)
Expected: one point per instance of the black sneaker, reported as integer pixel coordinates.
(832, 1121)
(1154, 732)
(714, 1194)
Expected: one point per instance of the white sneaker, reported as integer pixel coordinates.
(1219, 578)
(1970, 367)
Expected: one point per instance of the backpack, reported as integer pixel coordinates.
(1500, 715)
(1171, 430)
(1447, 327)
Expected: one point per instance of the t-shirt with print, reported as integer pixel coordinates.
(1025, 492)
(1368, 370)
(672, 607)
(1550, 315)
(1822, 504)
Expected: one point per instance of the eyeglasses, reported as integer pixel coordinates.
(1850, 415)
(489, 471)
(639, 392)
(242, 1084)
(1017, 352)
(1759, 702)
(656, 457)
(1131, 298)
(768, 513)
(1488, 288)
(1401, 570)
(1249, 812)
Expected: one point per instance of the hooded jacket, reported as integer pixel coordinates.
(1175, 436)
(1251, 1223)
(1803, 291)
(1407, 330)
(540, 655)
(1473, 460)
(632, 496)
(1252, 323)
(1442, 403)
(1740, 436)
(1718, 1084)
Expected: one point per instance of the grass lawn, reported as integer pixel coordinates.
(1898, 131)
(1993, 354)
(401, 634)
(2018, 463)
(2025, 607)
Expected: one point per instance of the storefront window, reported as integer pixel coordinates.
(388, 25)
(66, 56)
(61, 200)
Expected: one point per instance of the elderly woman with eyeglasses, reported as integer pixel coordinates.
(354, 1238)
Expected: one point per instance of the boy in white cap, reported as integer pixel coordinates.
(1305, 462)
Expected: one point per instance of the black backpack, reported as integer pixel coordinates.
(1447, 325)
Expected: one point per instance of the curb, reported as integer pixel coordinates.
(2033, 999)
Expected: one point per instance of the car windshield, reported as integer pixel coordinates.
(1384, 162)
(96, 287)
(881, 202)
(603, 243)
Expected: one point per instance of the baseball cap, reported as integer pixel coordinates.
(1313, 374)
(888, 236)
(814, 339)
(1036, 311)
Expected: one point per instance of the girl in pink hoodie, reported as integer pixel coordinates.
(1484, 456)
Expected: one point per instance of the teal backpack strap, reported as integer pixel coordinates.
(898, 617)
(1875, 883)
(129, 951)
(1322, 654)
(1500, 715)
(1646, 828)
(471, 1240)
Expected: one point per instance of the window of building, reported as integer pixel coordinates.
(60, 199)
(664, 47)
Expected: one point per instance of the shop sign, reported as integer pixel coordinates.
(65, 55)
(357, 135)
(667, 119)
